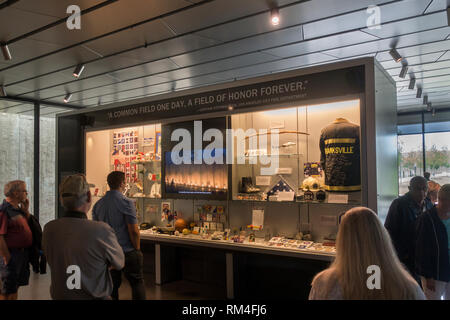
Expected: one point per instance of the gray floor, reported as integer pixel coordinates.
(38, 289)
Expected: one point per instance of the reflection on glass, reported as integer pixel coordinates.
(437, 156)
(410, 159)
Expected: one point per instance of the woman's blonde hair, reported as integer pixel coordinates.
(363, 241)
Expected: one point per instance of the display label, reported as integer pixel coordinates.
(337, 198)
(263, 180)
(297, 88)
(258, 217)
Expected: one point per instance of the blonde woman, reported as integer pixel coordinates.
(362, 241)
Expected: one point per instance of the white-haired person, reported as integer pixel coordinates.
(362, 242)
(15, 239)
(433, 248)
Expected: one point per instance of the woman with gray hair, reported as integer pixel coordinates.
(364, 245)
(15, 238)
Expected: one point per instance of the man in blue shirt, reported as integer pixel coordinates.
(120, 213)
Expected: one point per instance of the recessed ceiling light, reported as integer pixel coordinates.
(5, 51)
(78, 70)
(67, 97)
(275, 16)
(395, 55)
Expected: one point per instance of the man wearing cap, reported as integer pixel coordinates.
(80, 252)
(15, 238)
(401, 221)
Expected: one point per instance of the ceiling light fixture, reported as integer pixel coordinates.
(425, 99)
(403, 72)
(5, 51)
(395, 55)
(78, 70)
(419, 92)
(412, 83)
(2, 91)
(429, 105)
(67, 97)
(448, 16)
(275, 16)
(433, 112)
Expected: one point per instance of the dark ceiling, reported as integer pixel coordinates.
(137, 48)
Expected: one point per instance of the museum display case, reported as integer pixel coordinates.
(297, 149)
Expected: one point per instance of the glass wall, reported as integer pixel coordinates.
(423, 145)
(17, 159)
(437, 156)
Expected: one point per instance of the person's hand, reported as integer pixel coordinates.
(26, 207)
(430, 284)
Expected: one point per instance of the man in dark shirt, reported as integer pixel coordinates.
(401, 221)
(15, 238)
(120, 213)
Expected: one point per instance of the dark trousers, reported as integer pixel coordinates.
(133, 271)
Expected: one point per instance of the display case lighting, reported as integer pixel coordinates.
(425, 99)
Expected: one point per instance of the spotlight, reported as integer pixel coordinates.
(425, 99)
(412, 83)
(419, 92)
(448, 16)
(78, 70)
(429, 106)
(274, 16)
(395, 55)
(2, 91)
(5, 51)
(433, 112)
(67, 97)
(403, 72)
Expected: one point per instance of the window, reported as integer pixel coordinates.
(410, 159)
(437, 156)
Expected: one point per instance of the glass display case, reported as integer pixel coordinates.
(315, 153)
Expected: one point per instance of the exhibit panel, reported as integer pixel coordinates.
(267, 164)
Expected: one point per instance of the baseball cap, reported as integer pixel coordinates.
(74, 186)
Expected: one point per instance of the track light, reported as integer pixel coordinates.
(419, 92)
(5, 51)
(403, 72)
(412, 83)
(395, 55)
(425, 99)
(448, 16)
(433, 112)
(2, 91)
(429, 105)
(274, 16)
(78, 70)
(67, 97)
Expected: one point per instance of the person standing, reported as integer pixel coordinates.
(363, 242)
(120, 213)
(433, 248)
(401, 221)
(80, 252)
(15, 239)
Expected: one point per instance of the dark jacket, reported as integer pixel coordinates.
(401, 224)
(36, 257)
(340, 156)
(432, 257)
